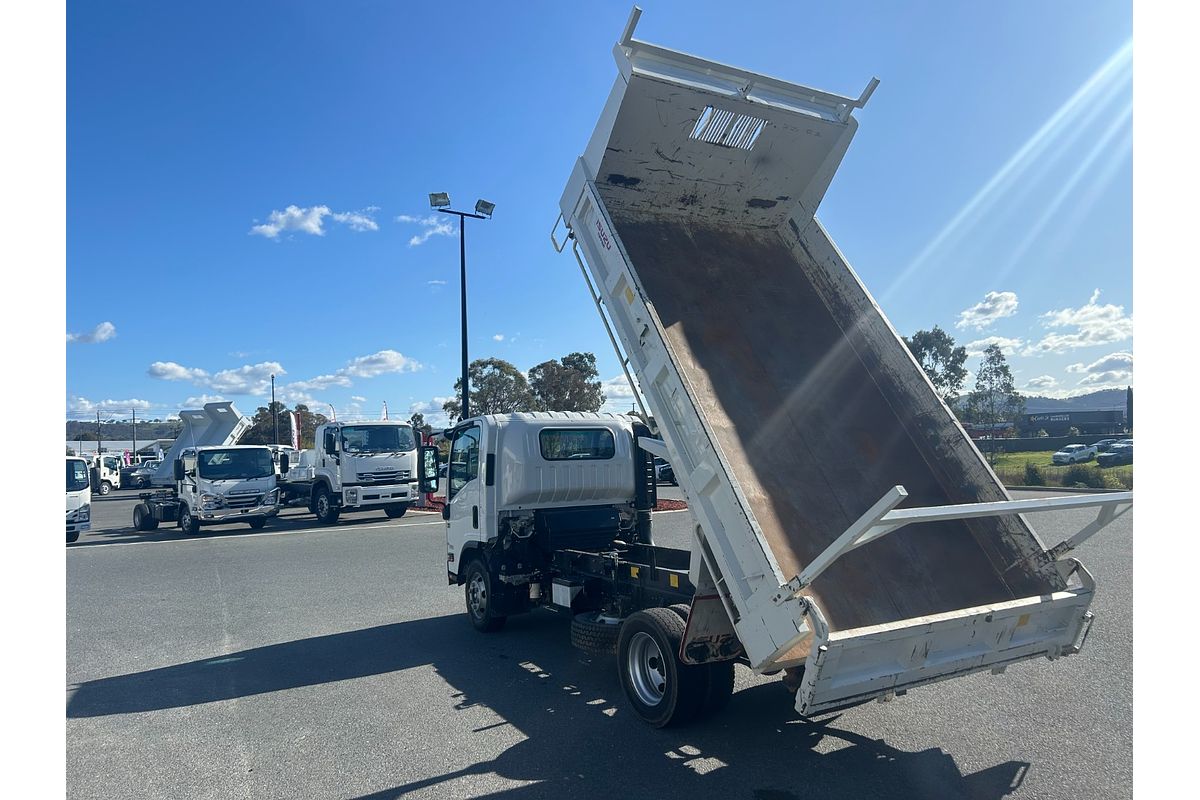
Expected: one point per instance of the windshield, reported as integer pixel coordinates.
(77, 475)
(225, 464)
(377, 439)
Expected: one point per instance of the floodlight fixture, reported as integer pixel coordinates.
(439, 200)
(485, 208)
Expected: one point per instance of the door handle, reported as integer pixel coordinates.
(475, 517)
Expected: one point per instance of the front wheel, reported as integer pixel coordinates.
(258, 524)
(662, 690)
(188, 522)
(72, 536)
(480, 597)
(396, 511)
(105, 487)
(323, 506)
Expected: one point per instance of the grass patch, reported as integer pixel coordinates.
(1037, 469)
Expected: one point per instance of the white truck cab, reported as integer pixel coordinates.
(79, 498)
(214, 486)
(106, 472)
(356, 466)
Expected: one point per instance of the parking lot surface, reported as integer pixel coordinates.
(335, 662)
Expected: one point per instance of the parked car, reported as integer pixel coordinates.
(140, 477)
(1119, 454)
(1104, 445)
(1074, 453)
(664, 472)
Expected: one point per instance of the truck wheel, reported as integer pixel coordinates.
(143, 520)
(105, 487)
(188, 523)
(72, 536)
(396, 511)
(323, 506)
(591, 633)
(662, 690)
(478, 589)
(718, 675)
(258, 524)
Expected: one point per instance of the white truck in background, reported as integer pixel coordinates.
(794, 418)
(105, 472)
(214, 486)
(354, 466)
(79, 497)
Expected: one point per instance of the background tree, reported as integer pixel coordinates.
(943, 362)
(262, 429)
(417, 420)
(497, 387)
(572, 385)
(995, 399)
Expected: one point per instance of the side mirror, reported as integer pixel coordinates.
(427, 467)
(178, 469)
(446, 511)
(330, 442)
(284, 463)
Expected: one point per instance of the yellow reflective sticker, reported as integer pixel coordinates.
(1022, 620)
(633, 572)
(628, 295)
(675, 581)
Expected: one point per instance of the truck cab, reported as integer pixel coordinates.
(79, 498)
(105, 473)
(214, 486)
(356, 466)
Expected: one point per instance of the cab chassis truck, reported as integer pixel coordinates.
(796, 421)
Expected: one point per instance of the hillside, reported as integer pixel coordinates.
(121, 431)
(1103, 400)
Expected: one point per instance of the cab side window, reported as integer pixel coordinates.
(464, 460)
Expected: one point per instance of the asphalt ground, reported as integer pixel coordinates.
(314, 662)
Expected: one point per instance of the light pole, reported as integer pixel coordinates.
(274, 414)
(440, 201)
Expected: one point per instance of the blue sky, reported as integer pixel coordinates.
(987, 190)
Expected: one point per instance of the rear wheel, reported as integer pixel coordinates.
(662, 690)
(595, 634)
(323, 506)
(480, 597)
(187, 521)
(143, 519)
(396, 511)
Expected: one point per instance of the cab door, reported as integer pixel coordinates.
(463, 494)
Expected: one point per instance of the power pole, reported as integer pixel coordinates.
(99, 436)
(274, 415)
(133, 411)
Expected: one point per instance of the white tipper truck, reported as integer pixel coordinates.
(355, 466)
(795, 419)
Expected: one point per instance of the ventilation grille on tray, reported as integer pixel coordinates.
(728, 128)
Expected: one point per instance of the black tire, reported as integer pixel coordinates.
(105, 487)
(143, 520)
(72, 536)
(187, 521)
(661, 689)
(258, 524)
(323, 506)
(718, 675)
(396, 511)
(479, 594)
(594, 636)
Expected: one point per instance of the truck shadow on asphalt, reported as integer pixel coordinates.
(582, 740)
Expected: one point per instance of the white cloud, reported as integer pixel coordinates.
(432, 411)
(1041, 383)
(1006, 345)
(247, 379)
(436, 283)
(311, 221)
(1114, 369)
(101, 333)
(995, 305)
(170, 371)
(320, 383)
(197, 401)
(379, 363)
(358, 398)
(498, 337)
(1093, 324)
(82, 407)
(431, 225)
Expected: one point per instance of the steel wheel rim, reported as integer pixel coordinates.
(477, 596)
(647, 669)
(323, 505)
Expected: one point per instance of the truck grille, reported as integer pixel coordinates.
(384, 476)
(243, 500)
